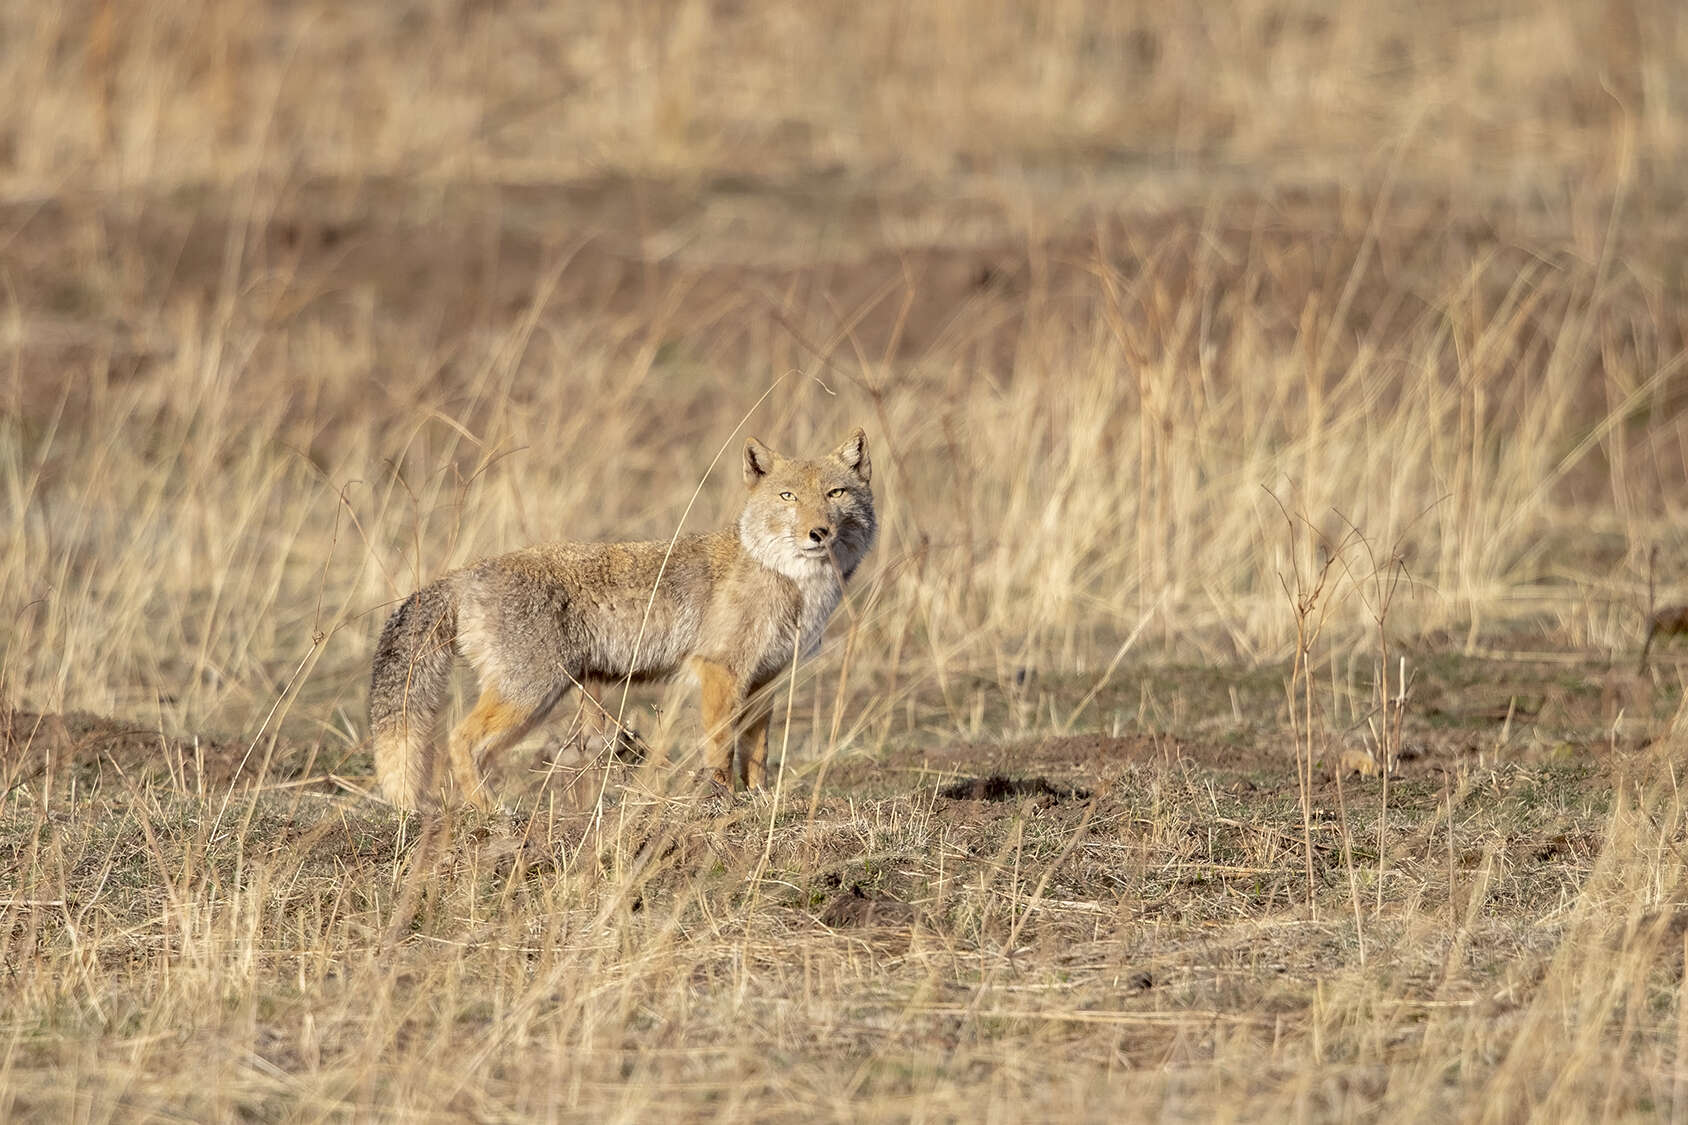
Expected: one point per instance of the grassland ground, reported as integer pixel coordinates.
(1105, 922)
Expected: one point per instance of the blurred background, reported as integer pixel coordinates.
(1524, 98)
(305, 303)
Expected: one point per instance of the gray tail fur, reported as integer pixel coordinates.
(407, 692)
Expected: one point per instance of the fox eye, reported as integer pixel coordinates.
(837, 492)
(788, 496)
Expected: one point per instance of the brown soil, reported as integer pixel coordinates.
(478, 257)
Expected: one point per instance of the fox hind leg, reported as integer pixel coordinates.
(496, 724)
(601, 728)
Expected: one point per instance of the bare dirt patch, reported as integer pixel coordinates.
(54, 748)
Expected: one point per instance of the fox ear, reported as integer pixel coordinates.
(854, 454)
(758, 461)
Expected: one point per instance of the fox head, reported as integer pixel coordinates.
(804, 518)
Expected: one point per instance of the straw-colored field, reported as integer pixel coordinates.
(1257, 397)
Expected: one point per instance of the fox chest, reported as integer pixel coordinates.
(815, 612)
(796, 629)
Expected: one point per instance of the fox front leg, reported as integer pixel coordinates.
(753, 761)
(722, 698)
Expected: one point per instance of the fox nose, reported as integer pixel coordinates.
(820, 536)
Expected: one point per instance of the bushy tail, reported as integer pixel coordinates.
(407, 691)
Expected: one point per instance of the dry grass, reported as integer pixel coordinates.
(304, 304)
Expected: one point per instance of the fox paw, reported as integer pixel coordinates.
(627, 746)
(713, 783)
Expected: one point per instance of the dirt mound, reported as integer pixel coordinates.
(856, 908)
(1083, 753)
(997, 787)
